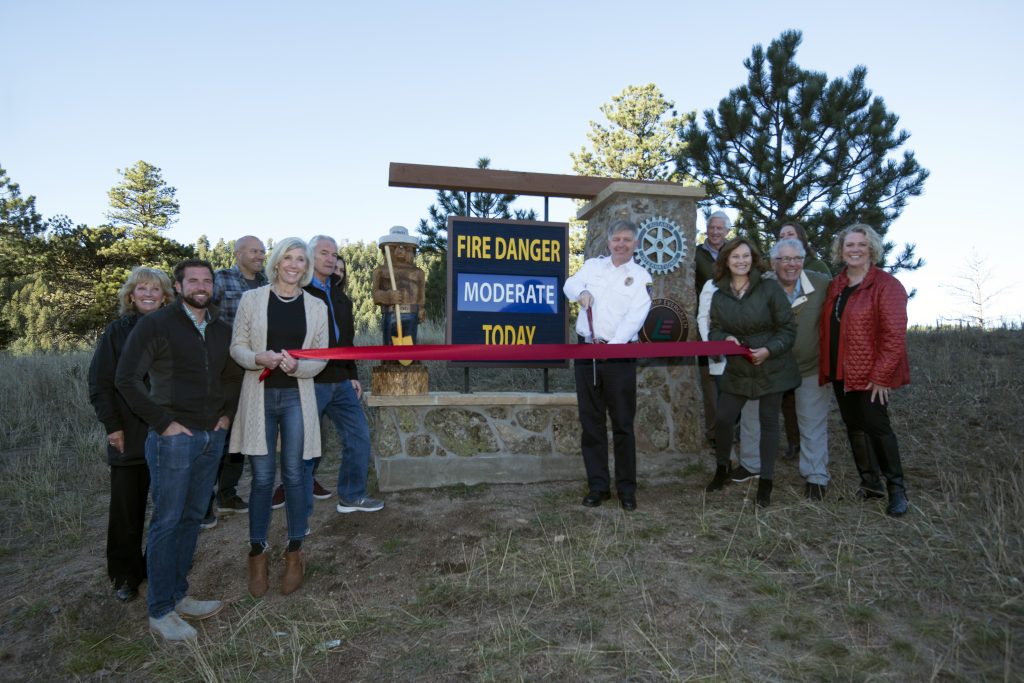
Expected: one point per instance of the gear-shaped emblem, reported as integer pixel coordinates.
(659, 246)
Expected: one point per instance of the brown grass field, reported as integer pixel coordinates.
(521, 583)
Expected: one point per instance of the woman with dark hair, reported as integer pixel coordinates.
(791, 230)
(754, 312)
(864, 356)
(145, 290)
(270, 320)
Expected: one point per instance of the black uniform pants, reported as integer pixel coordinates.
(129, 493)
(613, 394)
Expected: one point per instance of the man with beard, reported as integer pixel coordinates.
(191, 398)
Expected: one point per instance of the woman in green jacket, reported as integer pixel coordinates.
(755, 313)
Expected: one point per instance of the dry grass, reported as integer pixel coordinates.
(506, 583)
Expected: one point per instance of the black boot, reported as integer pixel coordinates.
(863, 458)
(898, 504)
(764, 492)
(721, 476)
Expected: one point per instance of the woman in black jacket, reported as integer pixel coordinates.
(757, 314)
(145, 291)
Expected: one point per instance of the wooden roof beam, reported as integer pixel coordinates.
(460, 179)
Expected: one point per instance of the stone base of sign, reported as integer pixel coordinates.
(443, 439)
(399, 380)
(670, 415)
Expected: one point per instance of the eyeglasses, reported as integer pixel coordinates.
(789, 259)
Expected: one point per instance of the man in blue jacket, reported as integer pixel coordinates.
(337, 388)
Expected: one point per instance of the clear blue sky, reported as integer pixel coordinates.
(281, 118)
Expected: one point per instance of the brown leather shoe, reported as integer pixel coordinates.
(294, 568)
(258, 583)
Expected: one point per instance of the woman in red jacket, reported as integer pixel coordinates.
(864, 355)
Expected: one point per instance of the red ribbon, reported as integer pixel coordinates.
(521, 352)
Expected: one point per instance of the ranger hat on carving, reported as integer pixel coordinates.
(398, 235)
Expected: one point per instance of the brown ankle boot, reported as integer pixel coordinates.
(294, 568)
(258, 583)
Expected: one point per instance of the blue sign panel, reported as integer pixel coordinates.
(505, 281)
(507, 293)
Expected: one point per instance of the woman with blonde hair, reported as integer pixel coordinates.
(864, 355)
(269, 321)
(145, 290)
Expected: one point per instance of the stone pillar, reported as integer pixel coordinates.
(669, 415)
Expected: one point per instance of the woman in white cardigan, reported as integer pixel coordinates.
(270, 320)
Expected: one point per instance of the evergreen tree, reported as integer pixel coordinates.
(73, 295)
(66, 298)
(360, 260)
(640, 141)
(21, 246)
(434, 234)
(792, 145)
(221, 255)
(142, 200)
(21, 229)
(202, 247)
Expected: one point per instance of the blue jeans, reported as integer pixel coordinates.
(182, 470)
(282, 411)
(339, 402)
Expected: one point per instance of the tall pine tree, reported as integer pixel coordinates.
(142, 200)
(640, 140)
(790, 144)
(21, 247)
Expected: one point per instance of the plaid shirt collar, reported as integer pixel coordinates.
(201, 326)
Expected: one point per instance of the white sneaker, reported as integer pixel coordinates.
(190, 608)
(364, 504)
(171, 627)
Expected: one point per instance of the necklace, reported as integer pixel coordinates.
(741, 291)
(284, 299)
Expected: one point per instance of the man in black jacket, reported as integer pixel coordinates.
(705, 255)
(191, 398)
(337, 388)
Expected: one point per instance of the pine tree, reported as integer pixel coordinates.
(65, 299)
(360, 260)
(640, 141)
(790, 144)
(21, 228)
(21, 247)
(142, 200)
(434, 234)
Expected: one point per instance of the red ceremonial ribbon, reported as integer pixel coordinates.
(521, 352)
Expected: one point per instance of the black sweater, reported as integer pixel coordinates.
(191, 380)
(337, 370)
(108, 402)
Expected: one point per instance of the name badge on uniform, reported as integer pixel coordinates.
(629, 281)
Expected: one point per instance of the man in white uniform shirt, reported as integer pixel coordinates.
(614, 289)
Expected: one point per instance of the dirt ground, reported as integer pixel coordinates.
(511, 582)
(521, 582)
